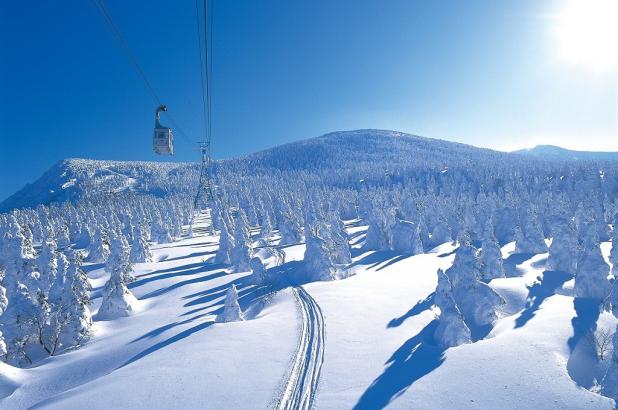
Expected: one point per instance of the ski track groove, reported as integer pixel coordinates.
(301, 387)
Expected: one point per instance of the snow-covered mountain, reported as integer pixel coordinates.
(393, 151)
(363, 269)
(553, 152)
(74, 179)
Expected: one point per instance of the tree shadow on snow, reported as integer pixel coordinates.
(550, 282)
(446, 254)
(420, 307)
(249, 299)
(510, 264)
(582, 361)
(172, 269)
(415, 359)
(199, 279)
(374, 259)
(191, 255)
(189, 270)
(167, 342)
(393, 261)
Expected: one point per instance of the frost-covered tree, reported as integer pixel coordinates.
(319, 265)
(226, 243)
(610, 381)
(613, 254)
(3, 349)
(406, 238)
(290, 229)
(378, 232)
(451, 330)
(592, 270)
(440, 234)
(613, 298)
(338, 241)
(529, 236)
(63, 237)
(490, 258)
(475, 299)
(242, 251)
(258, 271)
(79, 318)
(47, 263)
(119, 259)
(160, 231)
(140, 250)
(4, 301)
(117, 301)
(98, 251)
(231, 308)
(564, 248)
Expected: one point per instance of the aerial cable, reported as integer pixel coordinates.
(207, 56)
(204, 189)
(100, 5)
(199, 52)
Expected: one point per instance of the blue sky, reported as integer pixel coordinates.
(487, 73)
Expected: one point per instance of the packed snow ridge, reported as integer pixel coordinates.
(359, 269)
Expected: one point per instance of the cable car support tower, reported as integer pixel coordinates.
(204, 194)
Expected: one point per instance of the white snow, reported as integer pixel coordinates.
(377, 348)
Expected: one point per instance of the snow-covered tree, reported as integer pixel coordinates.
(117, 301)
(4, 301)
(613, 298)
(490, 258)
(47, 263)
(564, 248)
(79, 318)
(290, 229)
(529, 237)
(440, 234)
(140, 250)
(338, 241)
(451, 330)
(406, 238)
(258, 271)
(160, 230)
(98, 251)
(231, 308)
(592, 270)
(475, 299)
(3, 349)
(242, 251)
(613, 254)
(378, 232)
(226, 243)
(119, 259)
(319, 265)
(610, 381)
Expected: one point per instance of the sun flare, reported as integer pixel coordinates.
(587, 33)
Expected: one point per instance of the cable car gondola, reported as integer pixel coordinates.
(163, 139)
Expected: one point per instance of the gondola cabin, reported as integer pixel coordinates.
(163, 138)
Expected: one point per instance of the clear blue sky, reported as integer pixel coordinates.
(486, 73)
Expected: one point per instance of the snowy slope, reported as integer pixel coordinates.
(392, 151)
(74, 179)
(377, 327)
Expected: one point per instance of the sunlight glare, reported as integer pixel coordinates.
(587, 32)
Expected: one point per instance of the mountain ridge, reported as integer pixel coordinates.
(74, 178)
(559, 153)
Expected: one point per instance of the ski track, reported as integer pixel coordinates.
(301, 387)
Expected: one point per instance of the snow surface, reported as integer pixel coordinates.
(377, 347)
